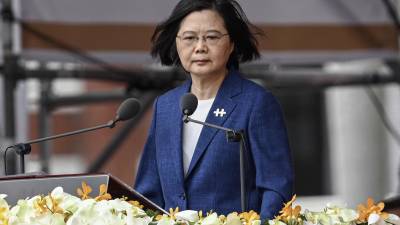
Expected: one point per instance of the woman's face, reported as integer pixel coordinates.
(203, 44)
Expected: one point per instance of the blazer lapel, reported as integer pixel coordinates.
(220, 110)
(176, 132)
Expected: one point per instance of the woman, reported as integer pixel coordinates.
(194, 167)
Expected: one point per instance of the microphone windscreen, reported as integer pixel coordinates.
(188, 104)
(128, 109)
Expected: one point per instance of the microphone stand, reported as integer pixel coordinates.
(231, 136)
(23, 149)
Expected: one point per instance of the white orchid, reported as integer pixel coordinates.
(26, 212)
(233, 219)
(188, 215)
(67, 202)
(332, 215)
(278, 222)
(375, 219)
(393, 219)
(211, 219)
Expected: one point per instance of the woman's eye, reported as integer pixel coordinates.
(189, 38)
(211, 37)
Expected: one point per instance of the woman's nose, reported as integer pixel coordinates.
(201, 45)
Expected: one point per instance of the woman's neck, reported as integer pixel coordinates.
(206, 87)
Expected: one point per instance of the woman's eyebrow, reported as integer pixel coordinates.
(213, 31)
(189, 31)
(194, 32)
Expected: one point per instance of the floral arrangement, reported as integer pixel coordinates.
(60, 208)
(369, 214)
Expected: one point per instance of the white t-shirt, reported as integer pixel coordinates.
(191, 131)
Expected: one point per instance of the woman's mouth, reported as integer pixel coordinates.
(201, 61)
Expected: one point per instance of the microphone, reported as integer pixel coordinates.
(127, 110)
(188, 104)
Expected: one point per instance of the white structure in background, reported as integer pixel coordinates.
(365, 158)
(363, 163)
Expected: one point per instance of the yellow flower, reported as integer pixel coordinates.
(103, 195)
(55, 208)
(85, 191)
(40, 205)
(288, 213)
(159, 217)
(365, 210)
(172, 213)
(3, 217)
(201, 215)
(222, 218)
(48, 203)
(136, 203)
(249, 217)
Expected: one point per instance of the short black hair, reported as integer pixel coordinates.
(241, 31)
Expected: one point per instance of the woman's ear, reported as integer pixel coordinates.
(232, 47)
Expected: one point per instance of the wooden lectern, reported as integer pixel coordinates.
(23, 186)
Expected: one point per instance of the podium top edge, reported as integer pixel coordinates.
(44, 175)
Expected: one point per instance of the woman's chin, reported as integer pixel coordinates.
(201, 72)
(207, 72)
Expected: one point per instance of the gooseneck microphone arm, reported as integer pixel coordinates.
(110, 124)
(127, 110)
(187, 119)
(23, 149)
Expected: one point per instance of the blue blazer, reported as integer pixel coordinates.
(213, 178)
